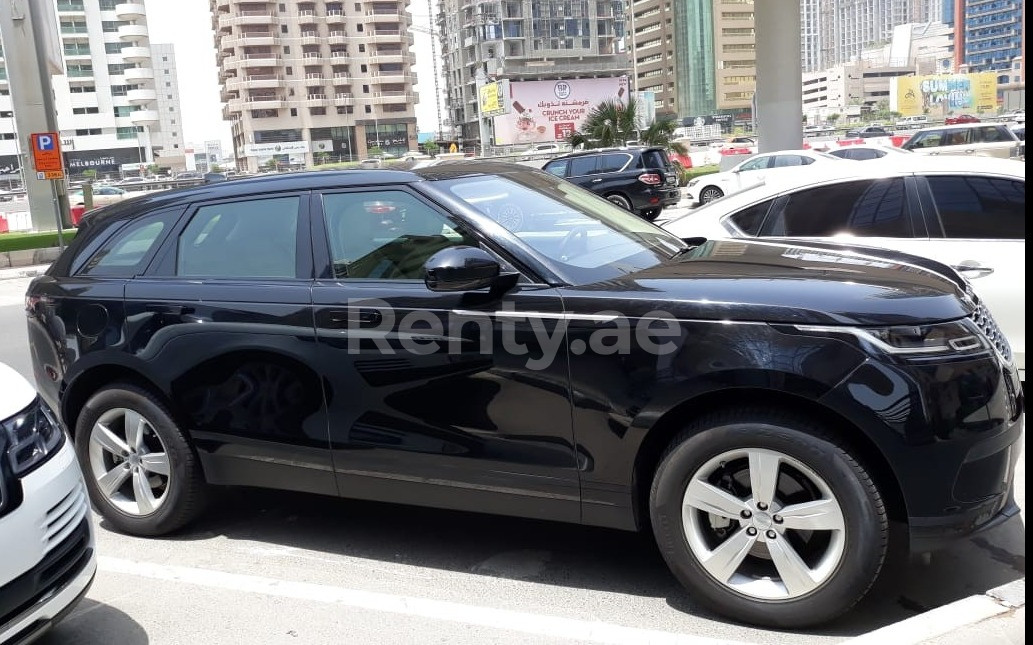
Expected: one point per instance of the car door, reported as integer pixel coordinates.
(582, 170)
(222, 321)
(978, 225)
(616, 172)
(751, 172)
(429, 401)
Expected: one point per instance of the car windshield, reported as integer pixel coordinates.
(582, 237)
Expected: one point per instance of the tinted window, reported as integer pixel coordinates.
(558, 168)
(927, 139)
(980, 207)
(755, 164)
(583, 165)
(784, 161)
(749, 220)
(388, 235)
(992, 133)
(246, 239)
(124, 255)
(862, 208)
(655, 159)
(612, 163)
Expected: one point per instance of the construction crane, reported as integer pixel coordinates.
(433, 33)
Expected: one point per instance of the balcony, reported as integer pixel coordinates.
(334, 17)
(387, 58)
(132, 33)
(264, 103)
(310, 37)
(344, 98)
(139, 74)
(70, 8)
(130, 11)
(342, 76)
(250, 40)
(392, 77)
(317, 100)
(258, 17)
(260, 60)
(385, 36)
(384, 16)
(139, 97)
(313, 56)
(256, 82)
(136, 54)
(394, 97)
(143, 117)
(314, 76)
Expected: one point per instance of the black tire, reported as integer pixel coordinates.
(186, 489)
(709, 194)
(650, 214)
(620, 200)
(865, 534)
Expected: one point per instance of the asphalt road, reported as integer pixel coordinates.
(266, 567)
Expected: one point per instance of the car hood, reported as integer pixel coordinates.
(749, 280)
(15, 393)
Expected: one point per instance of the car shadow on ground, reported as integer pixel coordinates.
(94, 623)
(575, 556)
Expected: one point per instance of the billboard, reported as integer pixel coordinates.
(493, 98)
(550, 110)
(944, 93)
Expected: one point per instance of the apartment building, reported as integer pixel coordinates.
(735, 53)
(307, 80)
(525, 40)
(654, 55)
(169, 136)
(989, 37)
(108, 107)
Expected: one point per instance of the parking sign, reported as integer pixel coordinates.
(46, 155)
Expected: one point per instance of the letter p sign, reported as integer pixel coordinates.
(45, 142)
(46, 155)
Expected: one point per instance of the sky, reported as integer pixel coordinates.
(187, 24)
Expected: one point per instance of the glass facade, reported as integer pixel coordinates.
(695, 63)
(993, 34)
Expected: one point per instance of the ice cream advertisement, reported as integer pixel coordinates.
(542, 111)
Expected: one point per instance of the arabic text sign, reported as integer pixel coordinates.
(550, 110)
(493, 98)
(284, 147)
(46, 155)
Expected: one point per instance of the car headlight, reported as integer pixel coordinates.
(957, 337)
(33, 435)
(693, 182)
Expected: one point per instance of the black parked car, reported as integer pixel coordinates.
(640, 180)
(868, 132)
(767, 409)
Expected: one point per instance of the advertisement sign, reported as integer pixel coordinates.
(550, 110)
(944, 93)
(493, 98)
(267, 149)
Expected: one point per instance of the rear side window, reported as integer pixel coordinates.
(927, 139)
(980, 207)
(784, 161)
(558, 168)
(246, 239)
(749, 219)
(127, 252)
(869, 208)
(992, 134)
(613, 163)
(656, 159)
(583, 165)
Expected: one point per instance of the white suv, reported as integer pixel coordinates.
(47, 553)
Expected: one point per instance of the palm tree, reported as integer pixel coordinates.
(609, 124)
(661, 133)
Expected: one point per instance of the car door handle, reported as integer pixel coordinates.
(365, 317)
(596, 181)
(972, 269)
(970, 151)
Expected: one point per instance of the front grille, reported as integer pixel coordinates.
(981, 316)
(64, 516)
(57, 569)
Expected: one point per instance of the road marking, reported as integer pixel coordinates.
(503, 619)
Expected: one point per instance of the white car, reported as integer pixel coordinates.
(47, 553)
(102, 196)
(754, 170)
(967, 213)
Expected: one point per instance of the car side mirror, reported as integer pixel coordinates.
(465, 268)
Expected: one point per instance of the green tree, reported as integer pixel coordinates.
(90, 174)
(321, 157)
(375, 152)
(270, 165)
(216, 167)
(609, 124)
(431, 147)
(832, 118)
(661, 133)
(153, 168)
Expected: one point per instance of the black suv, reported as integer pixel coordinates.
(640, 180)
(766, 408)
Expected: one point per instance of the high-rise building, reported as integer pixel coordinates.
(525, 40)
(169, 137)
(108, 106)
(848, 27)
(735, 53)
(304, 80)
(653, 52)
(989, 37)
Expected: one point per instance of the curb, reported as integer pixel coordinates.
(15, 273)
(950, 617)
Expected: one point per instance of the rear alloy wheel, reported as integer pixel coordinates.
(141, 473)
(619, 200)
(766, 520)
(709, 194)
(651, 214)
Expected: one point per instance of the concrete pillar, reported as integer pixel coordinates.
(779, 75)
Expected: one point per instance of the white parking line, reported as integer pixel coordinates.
(503, 619)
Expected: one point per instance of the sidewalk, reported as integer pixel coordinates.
(30, 271)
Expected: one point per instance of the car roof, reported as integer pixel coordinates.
(595, 151)
(298, 181)
(958, 126)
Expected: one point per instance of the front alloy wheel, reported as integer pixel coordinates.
(765, 517)
(710, 193)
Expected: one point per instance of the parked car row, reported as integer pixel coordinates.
(781, 408)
